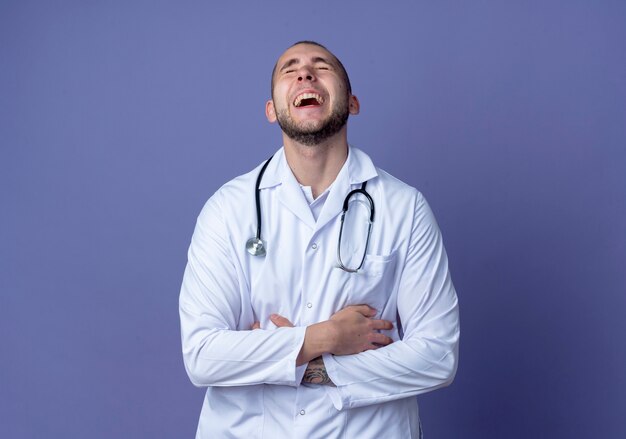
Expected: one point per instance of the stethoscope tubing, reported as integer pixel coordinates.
(257, 198)
(256, 247)
(360, 190)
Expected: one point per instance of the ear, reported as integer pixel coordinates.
(353, 105)
(270, 111)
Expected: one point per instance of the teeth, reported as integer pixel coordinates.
(315, 96)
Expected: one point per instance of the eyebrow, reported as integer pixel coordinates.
(293, 61)
(289, 63)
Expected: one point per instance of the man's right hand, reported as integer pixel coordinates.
(353, 330)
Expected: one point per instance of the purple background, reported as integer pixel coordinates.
(118, 120)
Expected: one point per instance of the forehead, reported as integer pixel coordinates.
(303, 53)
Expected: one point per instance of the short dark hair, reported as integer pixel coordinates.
(342, 69)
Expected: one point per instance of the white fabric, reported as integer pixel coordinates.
(253, 384)
(315, 204)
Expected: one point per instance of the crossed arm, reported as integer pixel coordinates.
(215, 347)
(349, 331)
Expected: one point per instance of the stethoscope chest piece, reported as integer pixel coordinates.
(255, 247)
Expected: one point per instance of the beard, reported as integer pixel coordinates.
(310, 134)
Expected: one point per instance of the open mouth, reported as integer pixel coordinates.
(308, 100)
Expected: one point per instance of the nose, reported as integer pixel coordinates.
(305, 73)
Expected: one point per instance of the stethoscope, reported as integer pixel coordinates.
(256, 247)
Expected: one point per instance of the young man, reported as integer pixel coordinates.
(326, 327)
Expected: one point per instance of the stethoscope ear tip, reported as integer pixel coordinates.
(255, 247)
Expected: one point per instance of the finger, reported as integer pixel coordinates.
(379, 339)
(381, 324)
(256, 325)
(364, 310)
(280, 321)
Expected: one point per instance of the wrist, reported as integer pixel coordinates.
(327, 333)
(331, 335)
(318, 340)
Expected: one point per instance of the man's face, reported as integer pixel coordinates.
(310, 100)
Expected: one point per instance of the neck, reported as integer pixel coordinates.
(317, 166)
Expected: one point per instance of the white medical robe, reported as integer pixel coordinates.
(254, 388)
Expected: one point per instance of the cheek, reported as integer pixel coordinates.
(280, 97)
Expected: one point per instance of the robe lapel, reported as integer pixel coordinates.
(357, 169)
(334, 203)
(291, 196)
